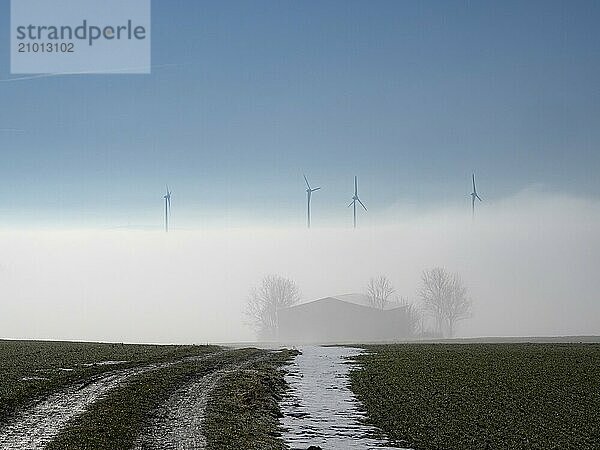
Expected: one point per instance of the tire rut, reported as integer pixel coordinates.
(35, 427)
(177, 425)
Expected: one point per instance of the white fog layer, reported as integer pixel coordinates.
(530, 263)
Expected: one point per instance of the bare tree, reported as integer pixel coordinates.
(445, 298)
(380, 290)
(414, 315)
(274, 292)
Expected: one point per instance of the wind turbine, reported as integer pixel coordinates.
(356, 199)
(167, 198)
(309, 192)
(474, 196)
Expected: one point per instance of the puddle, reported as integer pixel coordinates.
(105, 363)
(320, 409)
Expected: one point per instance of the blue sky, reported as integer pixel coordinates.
(409, 96)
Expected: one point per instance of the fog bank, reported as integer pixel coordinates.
(530, 262)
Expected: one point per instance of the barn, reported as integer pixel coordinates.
(344, 318)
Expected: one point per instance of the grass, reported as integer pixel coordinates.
(243, 411)
(31, 370)
(483, 396)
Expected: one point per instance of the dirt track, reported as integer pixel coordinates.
(177, 425)
(35, 427)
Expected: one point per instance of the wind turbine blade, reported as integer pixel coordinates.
(474, 190)
(478, 197)
(355, 186)
(351, 203)
(305, 179)
(315, 189)
(363, 205)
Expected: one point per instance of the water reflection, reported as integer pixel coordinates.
(320, 409)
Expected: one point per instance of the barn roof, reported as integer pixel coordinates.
(361, 300)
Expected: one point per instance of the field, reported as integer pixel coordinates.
(483, 396)
(33, 369)
(137, 396)
(441, 396)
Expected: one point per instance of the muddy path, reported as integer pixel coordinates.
(177, 425)
(35, 427)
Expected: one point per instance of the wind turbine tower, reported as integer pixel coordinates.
(309, 192)
(356, 199)
(167, 198)
(474, 196)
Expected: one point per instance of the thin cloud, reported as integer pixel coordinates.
(12, 130)
(111, 72)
